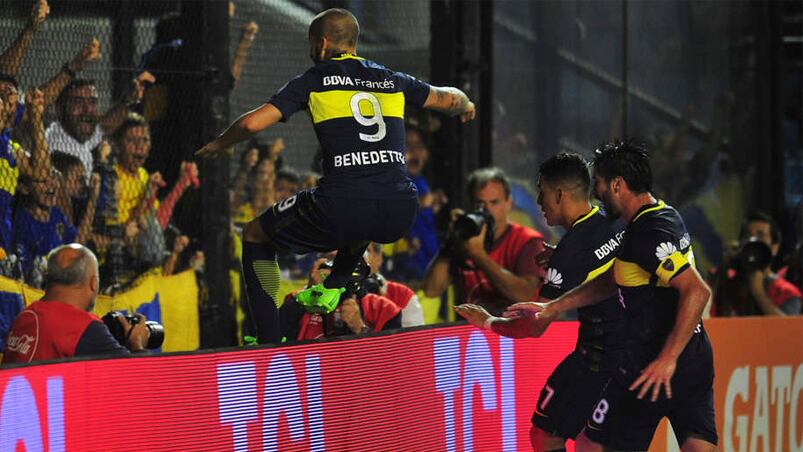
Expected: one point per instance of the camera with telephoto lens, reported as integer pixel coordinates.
(374, 283)
(157, 331)
(469, 225)
(753, 254)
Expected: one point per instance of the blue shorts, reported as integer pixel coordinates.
(620, 421)
(569, 396)
(309, 221)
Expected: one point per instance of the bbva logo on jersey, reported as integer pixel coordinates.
(554, 277)
(665, 250)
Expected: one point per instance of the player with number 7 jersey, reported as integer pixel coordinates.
(357, 110)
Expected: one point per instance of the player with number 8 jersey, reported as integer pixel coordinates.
(357, 110)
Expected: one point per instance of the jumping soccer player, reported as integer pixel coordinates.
(357, 110)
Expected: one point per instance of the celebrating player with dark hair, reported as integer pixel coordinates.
(357, 110)
(668, 368)
(586, 251)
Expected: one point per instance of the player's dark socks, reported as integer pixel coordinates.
(261, 272)
(345, 262)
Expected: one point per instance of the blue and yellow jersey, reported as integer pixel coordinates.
(357, 110)
(9, 174)
(32, 238)
(656, 248)
(586, 251)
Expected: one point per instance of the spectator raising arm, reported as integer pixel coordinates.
(246, 40)
(189, 175)
(116, 115)
(38, 165)
(11, 59)
(54, 86)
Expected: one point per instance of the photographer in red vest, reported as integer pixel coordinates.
(61, 324)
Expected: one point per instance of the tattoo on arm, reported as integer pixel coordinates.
(456, 99)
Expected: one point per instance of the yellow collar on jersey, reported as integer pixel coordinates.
(585, 217)
(658, 206)
(347, 56)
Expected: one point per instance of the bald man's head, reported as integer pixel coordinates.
(70, 265)
(340, 30)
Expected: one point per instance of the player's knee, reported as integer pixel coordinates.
(585, 444)
(545, 442)
(253, 232)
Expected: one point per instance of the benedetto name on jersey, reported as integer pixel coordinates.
(369, 158)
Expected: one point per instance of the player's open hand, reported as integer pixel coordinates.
(539, 313)
(469, 114)
(524, 309)
(656, 375)
(474, 314)
(213, 150)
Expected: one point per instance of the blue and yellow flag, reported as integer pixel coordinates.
(169, 300)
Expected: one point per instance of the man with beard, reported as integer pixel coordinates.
(585, 251)
(61, 323)
(80, 128)
(667, 369)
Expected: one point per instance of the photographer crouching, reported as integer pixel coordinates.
(357, 310)
(61, 324)
(491, 258)
(746, 285)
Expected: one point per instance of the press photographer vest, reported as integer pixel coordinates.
(46, 330)
(475, 285)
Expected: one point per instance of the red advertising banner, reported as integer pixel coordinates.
(452, 389)
(441, 389)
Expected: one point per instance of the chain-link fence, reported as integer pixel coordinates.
(79, 162)
(101, 154)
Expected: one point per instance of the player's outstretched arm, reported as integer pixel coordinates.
(242, 129)
(450, 101)
(513, 327)
(592, 292)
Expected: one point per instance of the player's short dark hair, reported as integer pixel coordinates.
(8, 78)
(626, 159)
(131, 121)
(337, 25)
(763, 217)
(74, 84)
(481, 177)
(567, 170)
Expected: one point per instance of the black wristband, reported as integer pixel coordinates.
(66, 68)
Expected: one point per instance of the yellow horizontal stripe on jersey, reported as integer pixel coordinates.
(8, 177)
(666, 272)
(335, 104)
(630, 274)
(599, 270)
